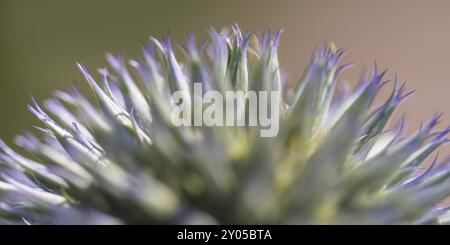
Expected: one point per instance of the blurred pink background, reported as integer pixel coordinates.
(41, 41)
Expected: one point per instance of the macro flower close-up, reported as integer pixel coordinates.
(213, 128)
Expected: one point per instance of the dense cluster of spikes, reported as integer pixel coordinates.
(122, 161)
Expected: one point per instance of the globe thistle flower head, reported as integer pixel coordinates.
(327, 157)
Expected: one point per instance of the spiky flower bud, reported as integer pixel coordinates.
(122, 160)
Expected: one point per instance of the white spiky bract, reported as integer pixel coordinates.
(121, 160)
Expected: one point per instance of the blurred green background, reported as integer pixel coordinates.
(42, 40)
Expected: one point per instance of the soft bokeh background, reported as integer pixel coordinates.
(41, 41)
